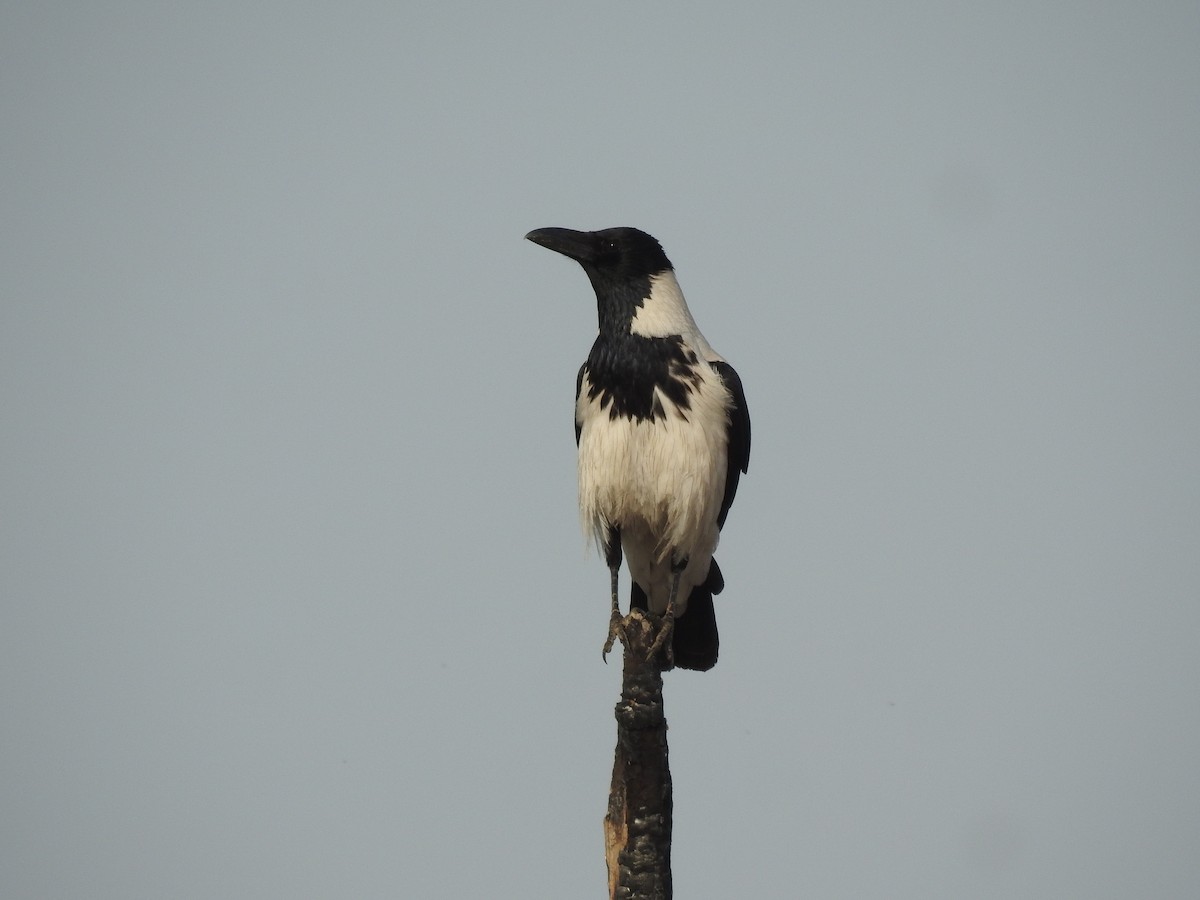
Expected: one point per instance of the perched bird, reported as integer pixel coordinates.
(663, 436)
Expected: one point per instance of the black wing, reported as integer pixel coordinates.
(739, 435)
(578, 385)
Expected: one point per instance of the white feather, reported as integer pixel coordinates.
(665, 313)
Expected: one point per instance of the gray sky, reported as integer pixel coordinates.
(294, 600)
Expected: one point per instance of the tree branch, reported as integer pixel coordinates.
(637, 828)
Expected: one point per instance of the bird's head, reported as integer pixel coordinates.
(614, 258)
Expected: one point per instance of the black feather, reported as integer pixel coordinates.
(739, 437)
(625, 372)
(695, 640)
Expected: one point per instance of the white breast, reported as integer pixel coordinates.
(660, 481)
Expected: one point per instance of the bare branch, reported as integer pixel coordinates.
(637, 828)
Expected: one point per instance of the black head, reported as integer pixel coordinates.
(612, 257)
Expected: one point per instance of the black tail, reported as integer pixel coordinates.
(694, 641)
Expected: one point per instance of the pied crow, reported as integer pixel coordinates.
(663, 435)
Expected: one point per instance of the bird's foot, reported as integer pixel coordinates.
(663, 643)
(616, 629)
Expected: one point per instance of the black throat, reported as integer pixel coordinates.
(617, 300)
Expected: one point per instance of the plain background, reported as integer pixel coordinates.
(294, 600)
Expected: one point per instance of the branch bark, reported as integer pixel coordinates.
(637, 828)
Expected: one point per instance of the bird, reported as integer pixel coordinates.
(663, 436)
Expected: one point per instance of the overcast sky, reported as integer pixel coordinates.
(293, 598)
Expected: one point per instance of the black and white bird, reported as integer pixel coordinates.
(663, 436)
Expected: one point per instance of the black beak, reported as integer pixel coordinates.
(578, 245)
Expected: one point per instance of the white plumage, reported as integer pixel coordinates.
(661, 479)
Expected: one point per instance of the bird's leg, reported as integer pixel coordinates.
(612, 556)
(663, 640)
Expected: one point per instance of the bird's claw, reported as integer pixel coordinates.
(616, 629)
(663, 643)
